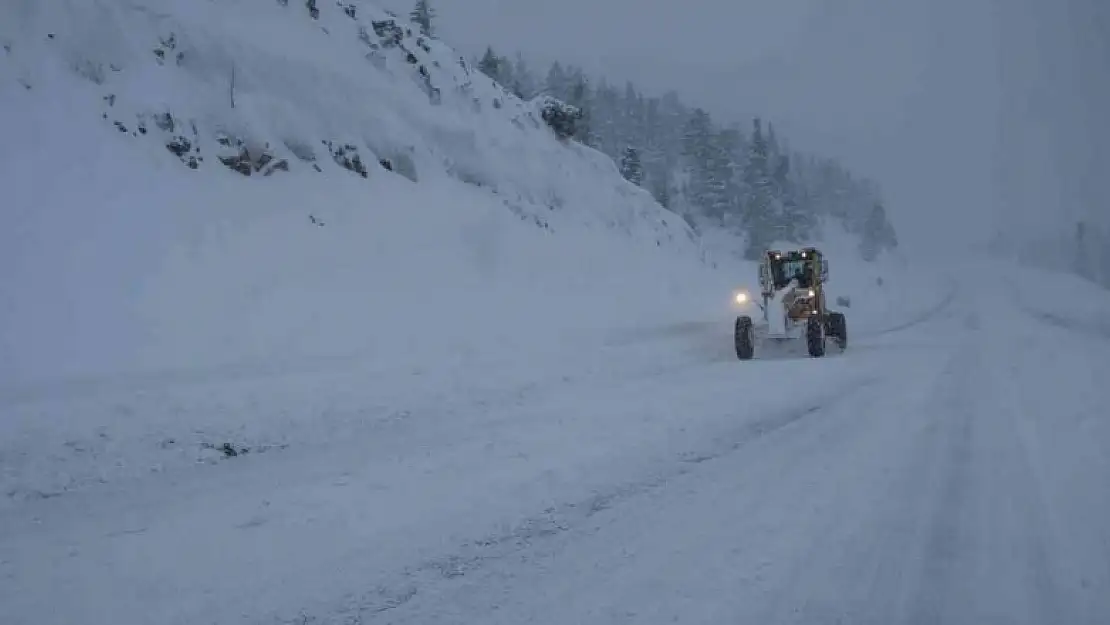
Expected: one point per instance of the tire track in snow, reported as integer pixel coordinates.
(531, 532)
(980, 467)
(1102, 330)
(919, 319)
(945, 538)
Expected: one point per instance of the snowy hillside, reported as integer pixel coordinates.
(386, 179)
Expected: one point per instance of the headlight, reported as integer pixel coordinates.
(741, 298)
(812, 293)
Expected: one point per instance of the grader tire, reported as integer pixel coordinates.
(744, 338)
(815, 337)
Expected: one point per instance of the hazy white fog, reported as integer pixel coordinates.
(965, 111)
(1051, 138)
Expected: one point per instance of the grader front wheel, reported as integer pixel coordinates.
(744, 338)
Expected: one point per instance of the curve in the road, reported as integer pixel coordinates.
(924, 316)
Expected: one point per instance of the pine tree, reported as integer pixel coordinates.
(490, 65)
(662, 192)
(708, 167)
(797, 223)
(695, 150)
(654, 155)
(727, 143)
(524, 83)
(505, 74)
(629, 127)
(423, 15)
(761, 218)
(695, 168)
(631, 168)
(557, 84)
(877, 234)
(601, 120)
(580, 97)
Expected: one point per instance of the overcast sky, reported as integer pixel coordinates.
(921, 95)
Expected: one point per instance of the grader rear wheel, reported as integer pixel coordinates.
(815, 337)
(838, 329)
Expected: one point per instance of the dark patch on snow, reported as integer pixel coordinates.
(347, 157)
(230, 450)
(245, 160)
(389, 33)
(165, 122)
(165, 47)
(239, 163)
(179, 145)
(561, 117)
(93, 72)
(227, 449)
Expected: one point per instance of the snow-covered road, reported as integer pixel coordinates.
(949, 470)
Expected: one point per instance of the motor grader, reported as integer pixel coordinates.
(793, 305)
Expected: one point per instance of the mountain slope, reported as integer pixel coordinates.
(394, 191)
